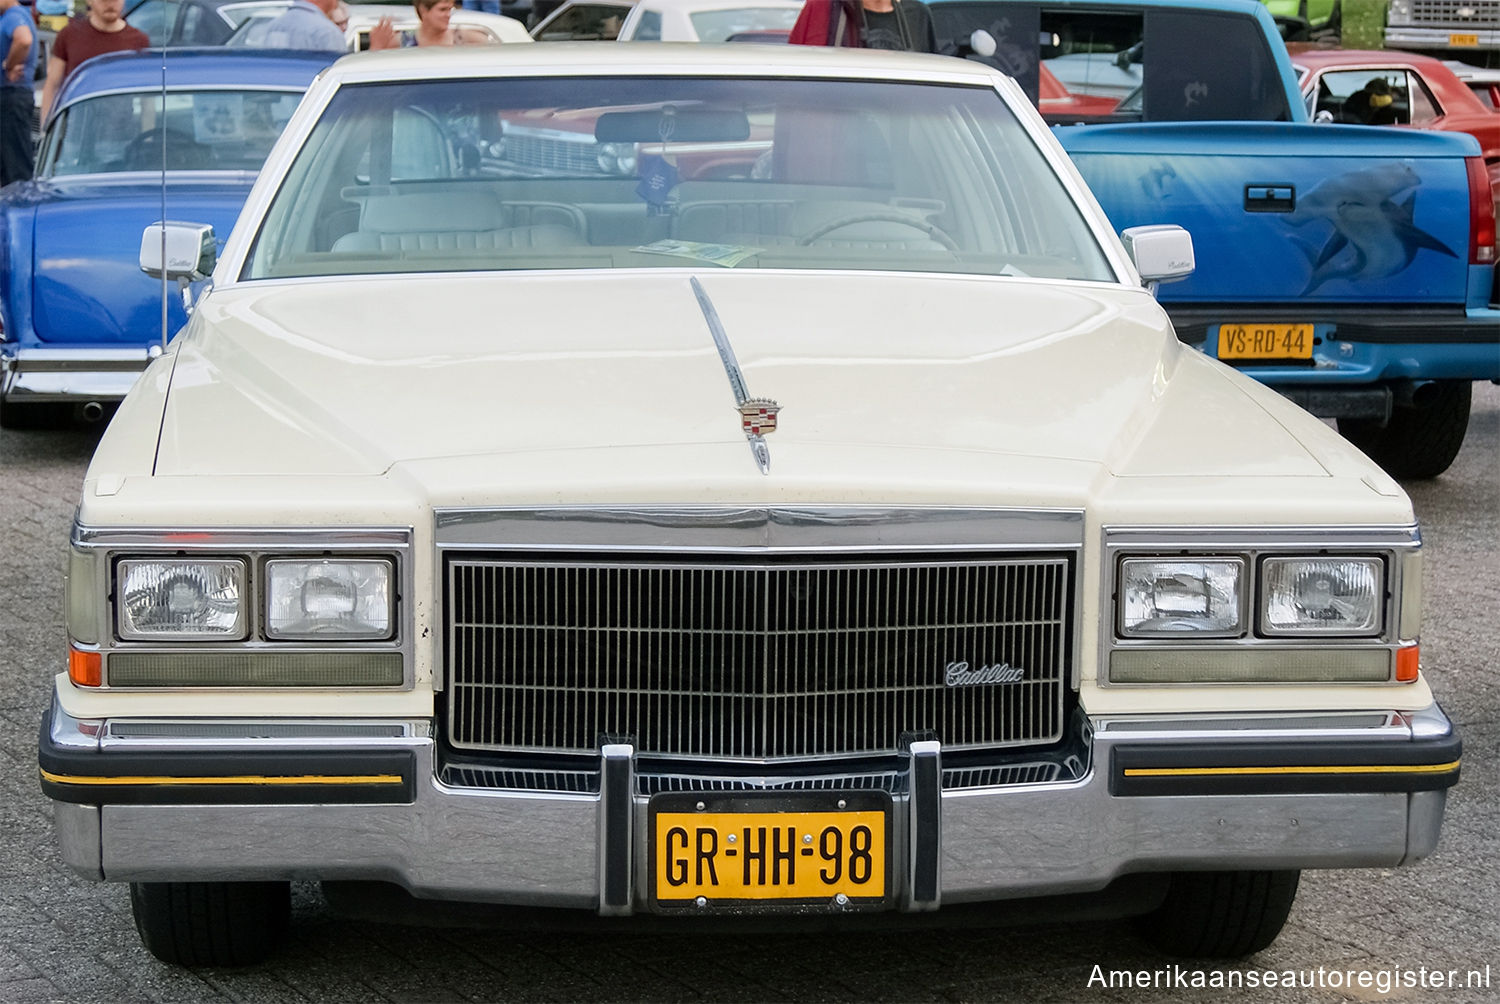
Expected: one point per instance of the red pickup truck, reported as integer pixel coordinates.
(1395, 88)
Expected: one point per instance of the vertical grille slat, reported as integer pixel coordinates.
(721, 658)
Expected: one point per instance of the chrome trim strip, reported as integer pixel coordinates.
(770, 529)
(28, 360)
(758, 447)
(213, 734)
(616, 828)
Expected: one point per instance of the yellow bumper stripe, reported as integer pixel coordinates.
(1421, 768)
(252, 779)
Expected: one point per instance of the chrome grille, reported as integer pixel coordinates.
(1476, 13)
(526, 152)
(754, 659)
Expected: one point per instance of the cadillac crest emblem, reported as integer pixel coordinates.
(758, 416)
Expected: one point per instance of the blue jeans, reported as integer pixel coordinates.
(487, 6)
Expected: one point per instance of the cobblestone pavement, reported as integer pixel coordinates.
(65, 939)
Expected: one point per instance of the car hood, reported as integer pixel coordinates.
(87, 284)
(547, 387)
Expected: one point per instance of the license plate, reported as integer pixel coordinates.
(1467, 41)
(763, 851)
(1265, 341)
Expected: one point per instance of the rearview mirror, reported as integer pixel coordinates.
(1162, 253)
(185, 252)
(982, 43)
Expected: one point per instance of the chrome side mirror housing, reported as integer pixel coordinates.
(185, 252)
(1161, 253)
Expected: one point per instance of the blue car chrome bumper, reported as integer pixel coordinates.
(77, 375)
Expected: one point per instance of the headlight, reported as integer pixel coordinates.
(1321, 596)
(322, 598)
(181, 598)
(617, 158)
(1170, 597)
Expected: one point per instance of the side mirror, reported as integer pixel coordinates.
(185, 252)
(1162, 253)
(982, 43)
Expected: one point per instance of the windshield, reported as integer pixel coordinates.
(558, 173)
(197, 130)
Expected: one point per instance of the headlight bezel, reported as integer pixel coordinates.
(1396, 549)
(94, 571)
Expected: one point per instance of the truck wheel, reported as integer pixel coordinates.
(211, 923)
(1417, 442)
(1220, 915)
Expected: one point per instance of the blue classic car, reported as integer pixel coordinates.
(135, 138)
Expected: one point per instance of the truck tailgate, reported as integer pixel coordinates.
(1289, 213)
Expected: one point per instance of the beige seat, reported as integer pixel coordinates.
(456, 220)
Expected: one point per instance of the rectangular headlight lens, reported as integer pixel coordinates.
(1321, 596)
(1171, 597)
(329, 598)
(181, 599)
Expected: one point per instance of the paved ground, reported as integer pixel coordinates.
(64, 939)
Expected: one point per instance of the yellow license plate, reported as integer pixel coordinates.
(731, 853)
(1463, 40)
(1265, 341)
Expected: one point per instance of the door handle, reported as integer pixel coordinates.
(1270, 198)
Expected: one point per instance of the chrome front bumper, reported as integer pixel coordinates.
(1352, 790)
(1409, 37)
(77, 375)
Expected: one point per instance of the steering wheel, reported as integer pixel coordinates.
(144, 152)
(932, 230)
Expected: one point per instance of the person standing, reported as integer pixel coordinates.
(102, 30)
(307, 25)
(18, 50)
(866, 24)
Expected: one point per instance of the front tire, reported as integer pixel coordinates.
(1220, 915)
(211, 923)
(1420, 442)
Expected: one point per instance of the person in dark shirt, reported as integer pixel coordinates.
(866, 24)
(102, 30)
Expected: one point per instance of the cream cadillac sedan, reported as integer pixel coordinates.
(816, 517)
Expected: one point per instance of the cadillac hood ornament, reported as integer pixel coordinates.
(758, 416)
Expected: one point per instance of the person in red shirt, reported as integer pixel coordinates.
(102, 30)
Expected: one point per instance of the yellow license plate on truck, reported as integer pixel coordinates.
(739, 852)
(1463, 41)
(1265, 341)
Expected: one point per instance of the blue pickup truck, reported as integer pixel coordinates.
(1352, 269)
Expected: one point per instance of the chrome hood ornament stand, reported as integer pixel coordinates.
(757, 414)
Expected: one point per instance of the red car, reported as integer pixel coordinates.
(1423, 93)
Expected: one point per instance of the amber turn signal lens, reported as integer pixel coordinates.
(85, 669)
(1406, 663)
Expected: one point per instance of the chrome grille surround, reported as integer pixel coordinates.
(769, 634)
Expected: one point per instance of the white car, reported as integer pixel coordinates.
(493, 29)
(670, 20)
(849, 533)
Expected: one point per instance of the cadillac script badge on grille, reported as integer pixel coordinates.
(758, 416)
(958, 674)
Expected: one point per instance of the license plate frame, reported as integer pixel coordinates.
(1266, 341)
(800, 810)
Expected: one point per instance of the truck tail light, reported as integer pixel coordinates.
(1481, 214)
